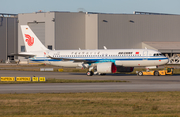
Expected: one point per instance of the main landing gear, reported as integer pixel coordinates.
(90, 72)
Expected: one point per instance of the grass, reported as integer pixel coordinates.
(53, 80)
(92, 104)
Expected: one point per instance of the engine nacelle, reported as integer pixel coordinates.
(107, 67)
(124, 69)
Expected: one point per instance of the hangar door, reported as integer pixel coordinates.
(39, 30)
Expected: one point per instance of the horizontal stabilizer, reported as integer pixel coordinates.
(24, 54)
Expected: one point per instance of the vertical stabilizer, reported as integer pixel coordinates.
(32, 43)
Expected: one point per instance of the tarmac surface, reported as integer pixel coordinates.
(135, 84)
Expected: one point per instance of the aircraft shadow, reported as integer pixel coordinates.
(118, 74)
(105, 75)
(176, 75)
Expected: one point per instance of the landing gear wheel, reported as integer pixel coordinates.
(156, 73)
(89, 73)
(140, 73)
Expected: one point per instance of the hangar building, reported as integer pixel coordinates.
(68, 30)
(8, 36)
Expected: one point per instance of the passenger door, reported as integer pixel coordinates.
(145, 55)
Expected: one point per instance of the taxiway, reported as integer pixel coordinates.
(135, 84)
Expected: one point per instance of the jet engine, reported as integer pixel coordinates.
(107, 67)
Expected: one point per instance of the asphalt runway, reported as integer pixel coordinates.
(135, 84)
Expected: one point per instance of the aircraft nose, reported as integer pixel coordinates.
(166, 60)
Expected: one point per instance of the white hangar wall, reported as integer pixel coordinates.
(42, 25)
(129, 31)
(67, 30)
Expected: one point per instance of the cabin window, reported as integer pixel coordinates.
(22, 48)
(157, 54)
(50, 47)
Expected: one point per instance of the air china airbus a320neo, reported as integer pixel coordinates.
(101, 61)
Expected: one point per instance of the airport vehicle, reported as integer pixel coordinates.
(100, 61)
(165, 71)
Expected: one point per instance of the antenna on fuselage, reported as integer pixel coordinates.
(105, 47)
(79, 48)
(145, 47)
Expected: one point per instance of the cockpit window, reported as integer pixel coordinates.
(158, 54)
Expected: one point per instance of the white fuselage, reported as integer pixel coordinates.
(83, 58)
(120, 57)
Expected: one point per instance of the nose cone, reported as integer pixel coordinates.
(166, 60)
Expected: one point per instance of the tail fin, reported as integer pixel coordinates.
(32, 43)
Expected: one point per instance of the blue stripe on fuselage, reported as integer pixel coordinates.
(101, 59)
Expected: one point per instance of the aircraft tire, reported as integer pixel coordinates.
(156, 73)
(140, 73)
(89, 73)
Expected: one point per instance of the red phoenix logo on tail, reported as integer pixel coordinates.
(29, 40)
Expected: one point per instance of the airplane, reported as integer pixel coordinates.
(98, 61)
